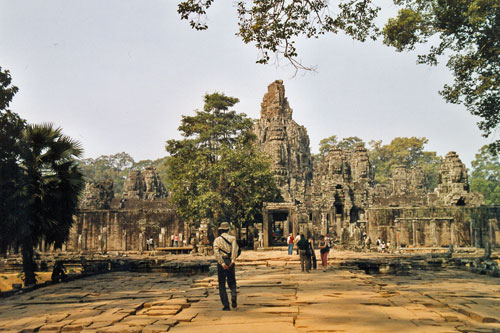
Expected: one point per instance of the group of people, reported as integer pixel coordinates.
(226, 252)
(305, 248)
(382, 246)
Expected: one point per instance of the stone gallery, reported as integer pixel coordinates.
(333, 195)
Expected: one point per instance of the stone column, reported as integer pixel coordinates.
(414, 230)
(471, 233)
(286, 227)
(124, 240)
(491, 232)
(434, 233)
(265, 227)
(105, 239)
(141, 240)
(80, 243)
(85, 239)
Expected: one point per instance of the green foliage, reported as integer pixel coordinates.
(346, 143)
(108, 167)
(7, 90)
(274, 25)
(39, 182)
(216, 172)
(467, 33)
(485, 176)
(11, 175)
(350, 142)
(404, 151)
(51, 188)
(326, 144)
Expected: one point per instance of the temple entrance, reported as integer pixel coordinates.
(278, 223)
(280, 228)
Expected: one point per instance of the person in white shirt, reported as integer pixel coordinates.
(226, 252)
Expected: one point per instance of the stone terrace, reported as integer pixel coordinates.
(273, 296)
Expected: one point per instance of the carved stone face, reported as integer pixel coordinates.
(361, 168)
(335, 161)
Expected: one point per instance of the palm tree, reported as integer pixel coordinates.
(51, 188)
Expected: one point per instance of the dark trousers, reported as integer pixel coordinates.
(305, 261)
(229, 275)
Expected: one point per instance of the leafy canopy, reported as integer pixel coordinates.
(346, 143)
(11, 174)
(467, 33)
(485, 176)
(404, 151)
(39, 182)
(274, 25)
(216, 172)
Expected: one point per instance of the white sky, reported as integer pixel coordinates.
(118, 74)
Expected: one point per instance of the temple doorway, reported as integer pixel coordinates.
(280, 228)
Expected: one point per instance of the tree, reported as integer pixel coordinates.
(351, 142)
(274, 25)
(346, 143)
(326, 144)
(404, 151)
(108, 167)
(485, 176)
(51, 187)
(467, 33)
(39, 182)
(11, 128)
(216, 172)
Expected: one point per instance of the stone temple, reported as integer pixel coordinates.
(334, 195)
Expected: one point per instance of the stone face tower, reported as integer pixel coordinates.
(286, 142)
(144, 185)
(453, 187)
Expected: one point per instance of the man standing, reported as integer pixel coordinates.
(226, 252)
(305, 255)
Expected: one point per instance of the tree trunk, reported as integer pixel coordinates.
(28, 264)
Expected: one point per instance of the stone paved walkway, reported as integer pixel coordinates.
(274, 296)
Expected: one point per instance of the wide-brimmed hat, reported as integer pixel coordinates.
(224, 226)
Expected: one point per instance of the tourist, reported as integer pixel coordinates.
(382, 246)
(290, 241)
(171, 240)
(226, 252)
(176, 240)
(296, 242)
(368, 243)
(324, 249)
(305, 256)
(312, 255)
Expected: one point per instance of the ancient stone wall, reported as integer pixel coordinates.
(124, 227)
(433, 226)
(104, 223)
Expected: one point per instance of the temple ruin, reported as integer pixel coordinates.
(105, 223)
(334, 195)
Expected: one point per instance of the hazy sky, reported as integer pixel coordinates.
(118, 74)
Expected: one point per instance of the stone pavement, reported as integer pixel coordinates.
(273, 296)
